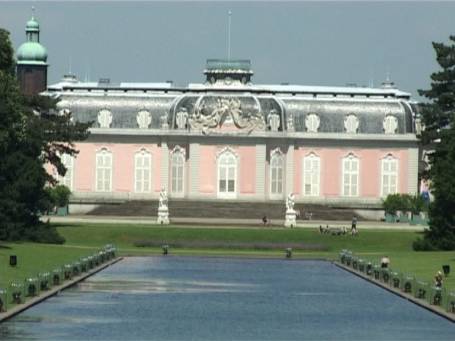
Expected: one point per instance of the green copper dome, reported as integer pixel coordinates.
(32, 25)
(32, 52)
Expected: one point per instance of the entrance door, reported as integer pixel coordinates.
(227, 175)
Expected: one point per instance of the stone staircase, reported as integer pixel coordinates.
(222, 209)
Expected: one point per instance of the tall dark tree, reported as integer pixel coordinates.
(32, 134)
(438, 117)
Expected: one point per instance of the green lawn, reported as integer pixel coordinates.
(83, 239)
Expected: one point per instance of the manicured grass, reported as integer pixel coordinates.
(34, 258)
(83, 239)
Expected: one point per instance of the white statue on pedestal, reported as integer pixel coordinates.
(163, 210)
(291, 214)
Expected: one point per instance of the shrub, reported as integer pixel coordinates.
(60, 195)
(57, 196)
(395, 202)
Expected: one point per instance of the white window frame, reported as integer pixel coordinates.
(105, 153)
(315, 176)
(350, 159)
(386, 175)
(279, 172)
(139, 182)
(68, 179)
(177, 153)
(225, 153)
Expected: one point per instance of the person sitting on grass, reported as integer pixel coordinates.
(385, 261)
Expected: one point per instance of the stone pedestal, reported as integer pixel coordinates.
(291, 218)
(163, 216)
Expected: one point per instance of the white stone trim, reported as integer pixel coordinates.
(289, 170)
(413, 169)
(164, 165)
(261, 150)
(408, 137)
(194, 161)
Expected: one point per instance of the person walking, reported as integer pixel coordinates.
(354, 226)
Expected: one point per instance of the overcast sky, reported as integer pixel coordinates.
(310, 43)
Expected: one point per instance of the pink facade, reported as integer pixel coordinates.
(248, 182)
(122, 166)
(369, 170)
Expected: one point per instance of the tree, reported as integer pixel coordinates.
(439, 136)
(32, 134)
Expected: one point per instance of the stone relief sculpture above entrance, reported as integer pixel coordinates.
(208, 115)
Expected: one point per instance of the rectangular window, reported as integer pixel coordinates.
(276, 174)
(104, 171)
(350, 176)
(67, 180)
(389, 176)
(142, 172)
(311, 177)
(177, 172)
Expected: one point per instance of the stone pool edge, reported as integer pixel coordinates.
(434, 309)
(54, 291)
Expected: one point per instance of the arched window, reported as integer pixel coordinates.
(103, 171)
(227, 174)
(350, 176)
(276, 173)
(311, 175)
(68, 162)
(142, 171)
(389, 175)
(177, 171)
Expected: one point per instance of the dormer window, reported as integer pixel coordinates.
(351, 124)
(312, 122)
(143, 119)
(105, 118)
(390, 124)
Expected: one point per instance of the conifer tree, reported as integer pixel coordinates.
(438, 117)
(32, 134)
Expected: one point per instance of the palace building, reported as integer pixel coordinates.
(231, 139)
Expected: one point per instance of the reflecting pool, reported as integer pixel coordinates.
(196, 298)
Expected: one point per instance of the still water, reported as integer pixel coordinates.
(195, 298)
